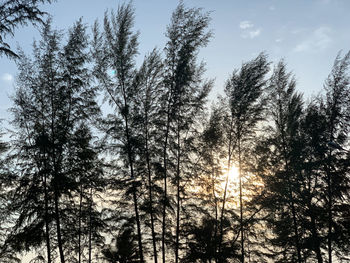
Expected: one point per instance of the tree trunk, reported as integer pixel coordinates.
(79, 231)
(225, 191)
(90, 226)
(150, 195)
(241, 201)
(178, 195)
(132, 175)
(47, 229)
(58, 227)
(329, 193)
(165, 182)
(316, 239)
(216, 213)
(295, 223)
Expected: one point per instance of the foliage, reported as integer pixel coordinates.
(15, 13)
(149, 178)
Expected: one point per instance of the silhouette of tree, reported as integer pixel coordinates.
(185, 98)
(287, 111)
(148, 82)
(211, 170)
(52, 99)
(244, 109)
(115, 51)
(6, 183)
(202, 243)
(123, 249)
(336, 109)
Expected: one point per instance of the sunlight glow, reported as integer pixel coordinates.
(233, 180)
(233, 174)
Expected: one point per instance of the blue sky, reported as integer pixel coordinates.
(308, 34)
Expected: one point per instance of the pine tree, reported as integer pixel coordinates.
(184, 99)
(245, 110)
(208, 188)
(52, 99)
(336, 110)
(148, 82)
(6, 183)
(115, 51)
(287, 112)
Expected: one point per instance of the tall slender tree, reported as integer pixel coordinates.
(186, 94)
(286, 112)
(115, 52)
(245, 109)
(149, 84)
(336, 110)
(53, 97)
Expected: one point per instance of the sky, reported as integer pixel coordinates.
(307, 34)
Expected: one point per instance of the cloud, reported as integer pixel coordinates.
(249, 30)
(278, 40)
(251, 34)
(254, 33)
(245, 24)
(7, 77)
(272, 8)
(318, 41)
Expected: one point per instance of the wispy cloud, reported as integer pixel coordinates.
(7, 77)
(245, 24)
(249, 30)
(254, 33)
(319, 40)
(272, 8)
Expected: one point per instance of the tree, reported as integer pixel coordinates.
(211, 170)
(15, 13)
(184, 99)
(124, 249)
(148, 82)
(203, 244)
(244, 111)
(6, 183)
(336, 110)
(52, 99)
(115, 53)
(287, 107)
(87, 172)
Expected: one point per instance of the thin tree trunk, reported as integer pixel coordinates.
(216, 213)
(316, 238)
(132, 175)
(58, 228)
(90, 225)
(297, 241)
(165, 182)
(290, 190)
(329, 193)
(150, 195)
(79, 231)
(138, 224)
(178, 194)
(241, 201)
(225, 191)
(47, 229)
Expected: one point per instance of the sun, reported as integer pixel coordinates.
(233, 174)
(232, 177)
